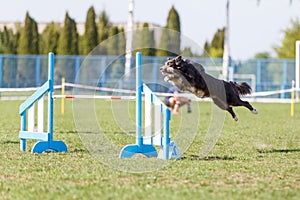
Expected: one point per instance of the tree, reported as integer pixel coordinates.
(144, 41)
(116, 46)
(170, 37)
(91, 33)
(118, 69)
(67, 45)
(68, 40)
(148, 41)
(29, 39)
(7, 46)
(113, 41)
(103, 29)
(17, 37)
(121, 41)
(49, 38)
(216, 47)
(7, 41)
(206, 49)
(28, 44)
(291, 35)
(173, 23)
(262, 55)
(217, 44)
(81, 44)
(187, 52)
(163, 44)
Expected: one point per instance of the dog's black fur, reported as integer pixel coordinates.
(190, 76)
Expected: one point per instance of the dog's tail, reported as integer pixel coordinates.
(243, 88)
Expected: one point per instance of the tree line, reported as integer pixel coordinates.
(65, 40)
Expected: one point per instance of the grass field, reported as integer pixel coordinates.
(257, 157)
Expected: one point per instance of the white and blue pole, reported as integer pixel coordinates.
(141, 146)
(139, 90)
(50, 98)
(45, 140)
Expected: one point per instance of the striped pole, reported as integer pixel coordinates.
(68, 96)
(62, 106)
(293, 99)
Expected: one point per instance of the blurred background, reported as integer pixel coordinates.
(240, 40)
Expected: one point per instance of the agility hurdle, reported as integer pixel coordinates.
(28, 131)
(145, 144)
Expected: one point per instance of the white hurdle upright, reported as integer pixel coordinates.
(145, 144)
(150, 105)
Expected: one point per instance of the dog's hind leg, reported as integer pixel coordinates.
(225, 106)
(253, 110)
(246, 104)
(230, 110)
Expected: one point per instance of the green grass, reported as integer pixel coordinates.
(257, 157)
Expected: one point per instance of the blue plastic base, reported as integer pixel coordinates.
(129, 150)
(46, 146)
(173, 152)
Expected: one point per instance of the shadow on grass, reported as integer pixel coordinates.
(79, 151)
(208, 158)
(9, 142)
(277, 150)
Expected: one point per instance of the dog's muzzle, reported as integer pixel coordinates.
(166, 70)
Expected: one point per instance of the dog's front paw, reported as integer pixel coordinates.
(170, 70)
(166, 79)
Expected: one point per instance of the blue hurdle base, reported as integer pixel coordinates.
(46, 146)
(169, 152)
(130, 150)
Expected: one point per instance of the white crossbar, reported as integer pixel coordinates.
(148, 119)
(31, 119)
(41, 115)
(157, 124)
(152, 122)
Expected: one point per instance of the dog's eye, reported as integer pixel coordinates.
(167, 63)
(170, 63)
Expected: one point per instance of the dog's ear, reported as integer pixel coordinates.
(170, 62)
(178, 60)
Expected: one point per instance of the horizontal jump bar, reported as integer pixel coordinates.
(93, 97)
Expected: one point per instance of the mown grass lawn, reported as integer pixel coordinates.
(257, 157)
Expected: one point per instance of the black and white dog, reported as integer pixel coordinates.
(190, 76)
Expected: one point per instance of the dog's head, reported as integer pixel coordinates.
(170, 69)
(183, 66)
(171, 66)
(182, 73)
(180, 65)
(174, 72)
